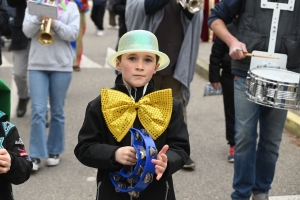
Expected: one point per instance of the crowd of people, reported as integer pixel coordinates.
(156, 53)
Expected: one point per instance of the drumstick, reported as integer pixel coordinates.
(259, 55)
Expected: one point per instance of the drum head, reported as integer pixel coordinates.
(279, 75)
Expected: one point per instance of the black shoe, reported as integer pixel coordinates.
(35, 163)
(22, 107)
(190, 164)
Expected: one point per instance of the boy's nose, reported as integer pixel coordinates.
(140, 65)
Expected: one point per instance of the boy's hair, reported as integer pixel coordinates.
(156, 56)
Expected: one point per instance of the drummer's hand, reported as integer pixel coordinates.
(215, 85)
(237, 50)
(161, 162)
(126, 155)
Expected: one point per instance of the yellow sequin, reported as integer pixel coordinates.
(154, 112)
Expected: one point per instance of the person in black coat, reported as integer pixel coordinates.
(106, 145)
(220, 72)
(15, 164)
(20, 46)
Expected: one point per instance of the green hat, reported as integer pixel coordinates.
(139, 41)
(4, 98)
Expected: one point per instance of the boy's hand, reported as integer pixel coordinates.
(5, 161)
(126, 155)
(161, 162)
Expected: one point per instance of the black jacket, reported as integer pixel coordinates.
(220, 59)
(96, 147)
(21, 165)
(18, 40)
(4, 17)
(151, 6)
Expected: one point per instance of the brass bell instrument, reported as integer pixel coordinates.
(45, 37)
(193, 6)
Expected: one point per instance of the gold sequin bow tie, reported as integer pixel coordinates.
(154, 112)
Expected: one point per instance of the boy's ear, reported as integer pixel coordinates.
(156, 68)
(118, 64)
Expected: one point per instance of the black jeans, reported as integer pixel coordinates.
(97, 15)
(228, 100)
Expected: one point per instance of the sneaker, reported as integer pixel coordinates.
(35, 163)
(22, 107)
(190, 164)
(100, 33)
(231, 155)
(52, 160)
(76, 68)
(260, 196)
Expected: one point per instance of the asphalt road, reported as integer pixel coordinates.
(212, 178)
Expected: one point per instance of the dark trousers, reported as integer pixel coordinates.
(98, 15)
(228, 100)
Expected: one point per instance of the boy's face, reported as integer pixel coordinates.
(137, 68)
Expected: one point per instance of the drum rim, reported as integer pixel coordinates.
(251, 74)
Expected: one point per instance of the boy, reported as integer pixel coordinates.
(104, 141)
(15, 164)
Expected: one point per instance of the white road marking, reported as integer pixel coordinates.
(89, 179)
(293, 197)
(88, 63)
(109, 52)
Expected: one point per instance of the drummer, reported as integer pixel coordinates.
(255, 162)
(104, 141)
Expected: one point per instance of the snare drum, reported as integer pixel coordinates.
(273, 87)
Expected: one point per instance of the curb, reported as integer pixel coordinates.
(292, 123)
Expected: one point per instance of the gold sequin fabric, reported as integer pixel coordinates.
(154, 112)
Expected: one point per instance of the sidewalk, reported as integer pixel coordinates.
(293, 118)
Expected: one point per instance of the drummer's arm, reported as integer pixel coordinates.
(224, 13)
(236, 48)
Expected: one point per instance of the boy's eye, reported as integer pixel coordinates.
(148, 60)
(132, 58)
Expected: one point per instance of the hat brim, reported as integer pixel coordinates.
(163, 61)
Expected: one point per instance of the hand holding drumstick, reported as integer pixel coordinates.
(238, 53)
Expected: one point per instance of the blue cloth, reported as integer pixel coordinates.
(55, 84)
(226, 10)
(79, 4)
(99, 2)
(73, 45)
(254, 168)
